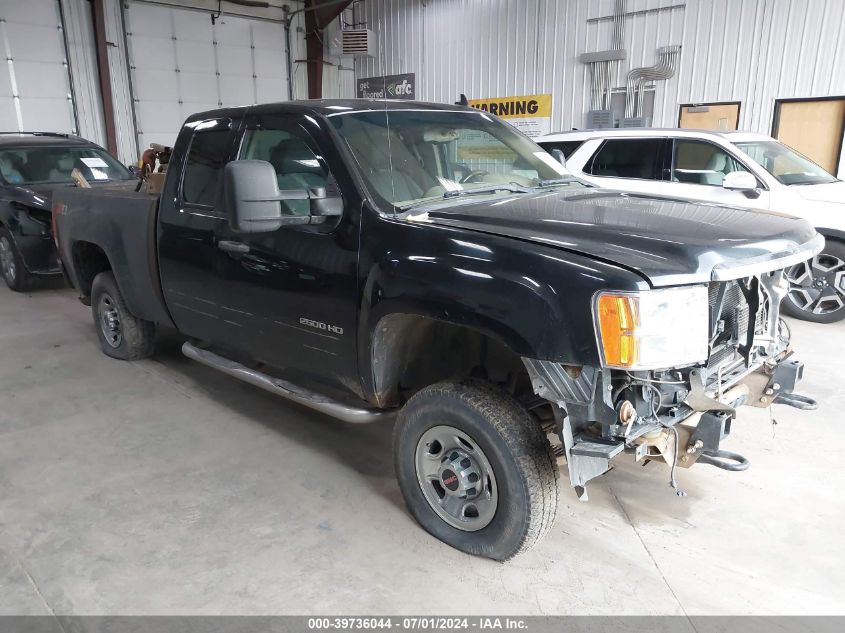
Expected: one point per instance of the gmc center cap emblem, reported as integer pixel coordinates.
(450, 480)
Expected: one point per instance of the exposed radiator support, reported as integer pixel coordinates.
(667, 58)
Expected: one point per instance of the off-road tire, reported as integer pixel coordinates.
(20, 280)
(521, 457)
(835, 249)
(137, 335)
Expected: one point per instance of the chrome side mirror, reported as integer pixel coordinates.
(739, 181)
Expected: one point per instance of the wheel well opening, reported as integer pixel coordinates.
(89, 260)
(411, 352)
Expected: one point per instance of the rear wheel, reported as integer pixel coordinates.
(475, 468)
(122, 335)
(11, 263)
(817, 287)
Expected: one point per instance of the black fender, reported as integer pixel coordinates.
(121, 226)
(534, 299)
(833, 234)
(32, 237)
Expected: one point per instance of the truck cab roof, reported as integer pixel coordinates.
(328, 107)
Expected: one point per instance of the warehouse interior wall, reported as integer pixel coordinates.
(751, 51)
(173, 70)
(754, 52)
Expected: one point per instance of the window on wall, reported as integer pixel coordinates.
(702, 163)
(709, 116)
(204, 167)
(639, 158)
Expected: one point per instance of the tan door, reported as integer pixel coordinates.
(814, 128)
(711, 116)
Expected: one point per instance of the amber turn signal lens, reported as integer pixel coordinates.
(618, 317)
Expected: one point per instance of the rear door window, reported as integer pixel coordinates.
(207, 155)
(639, 158)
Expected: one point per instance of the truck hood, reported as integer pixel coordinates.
(667, 241)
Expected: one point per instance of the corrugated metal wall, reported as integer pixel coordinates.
(339, 73)
(82, 57)
(753, 51)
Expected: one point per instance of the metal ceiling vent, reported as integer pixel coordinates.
(358, 42)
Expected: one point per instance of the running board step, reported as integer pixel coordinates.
(286, 389)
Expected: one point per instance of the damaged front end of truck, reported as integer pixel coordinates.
(677, 364)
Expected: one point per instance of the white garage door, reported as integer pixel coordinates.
(35, 92)
(181, 64)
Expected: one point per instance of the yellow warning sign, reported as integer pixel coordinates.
(528, 106)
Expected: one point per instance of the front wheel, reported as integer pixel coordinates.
(817, 287)
(476, 469)
(122, 335)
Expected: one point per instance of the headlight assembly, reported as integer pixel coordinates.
(652, 329)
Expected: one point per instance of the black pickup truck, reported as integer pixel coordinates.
(367, 259)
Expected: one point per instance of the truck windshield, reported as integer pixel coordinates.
(41, 165)
(785, 164)
(411, 156)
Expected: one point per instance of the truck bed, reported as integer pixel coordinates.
(119, 224)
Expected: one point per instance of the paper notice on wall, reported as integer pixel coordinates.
(530, 114)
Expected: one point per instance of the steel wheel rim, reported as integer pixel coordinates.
(7, 260)
(110, 324)
(817, 286)
(456, 478)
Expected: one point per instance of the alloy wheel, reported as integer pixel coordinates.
(456, 478)
(818, 286)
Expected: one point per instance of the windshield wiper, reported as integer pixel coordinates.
(513, 188)
(551, 182)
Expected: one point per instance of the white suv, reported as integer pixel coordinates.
(727, 168)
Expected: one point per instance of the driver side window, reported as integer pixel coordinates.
(702, 163)
(297, 165)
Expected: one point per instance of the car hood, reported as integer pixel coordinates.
(826, 192)
(668, 241)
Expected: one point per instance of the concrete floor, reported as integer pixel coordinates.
(164, 487)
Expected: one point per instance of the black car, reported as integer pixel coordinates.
(367, 259)
(32, 166)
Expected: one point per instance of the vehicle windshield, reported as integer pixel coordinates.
(409, 157)
(785, 164)
(41, 165)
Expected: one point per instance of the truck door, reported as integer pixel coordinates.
(287, 298)
(189, 219)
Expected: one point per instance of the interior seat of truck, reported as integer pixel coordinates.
(297, 168)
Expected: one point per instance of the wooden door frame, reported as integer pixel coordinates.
(738, 105)
(776, 120)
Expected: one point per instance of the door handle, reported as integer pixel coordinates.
(233, 247)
